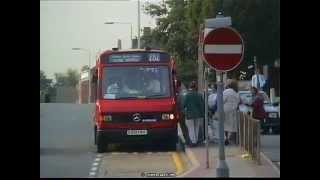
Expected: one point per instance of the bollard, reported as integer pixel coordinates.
(240, 132)
(258, 143)
(254, 140)
(249, 135)
(244, 132)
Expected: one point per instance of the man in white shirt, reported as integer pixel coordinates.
(258, 82)
(154, 86)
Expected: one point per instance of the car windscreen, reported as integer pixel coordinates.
(132, 82)
(246, 97)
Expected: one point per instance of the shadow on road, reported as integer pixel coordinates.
(65, 151)
(138, 147)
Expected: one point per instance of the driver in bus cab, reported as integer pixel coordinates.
(130, 84)
(153, 84)
(114, 86)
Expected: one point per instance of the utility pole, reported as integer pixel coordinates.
(138, 24)
(200, 60)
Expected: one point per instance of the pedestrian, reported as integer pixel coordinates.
(275, 78)
(182, 120)
(231, 100)
(257, 105)
(47, 98)
(212, 101)
(258, 80)
(193, 106)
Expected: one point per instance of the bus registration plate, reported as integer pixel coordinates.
(137, 132)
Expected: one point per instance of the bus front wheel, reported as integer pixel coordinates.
(101, 144)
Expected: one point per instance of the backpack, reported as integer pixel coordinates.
(214, 108)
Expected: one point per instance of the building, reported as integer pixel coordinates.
(84, 87)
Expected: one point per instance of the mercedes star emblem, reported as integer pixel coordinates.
(136, 117)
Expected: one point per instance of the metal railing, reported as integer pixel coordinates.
(249, 136)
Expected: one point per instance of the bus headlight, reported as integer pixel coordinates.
(167, 116)
(107, 118)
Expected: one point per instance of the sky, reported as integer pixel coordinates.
(67, 24)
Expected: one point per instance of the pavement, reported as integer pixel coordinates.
(238, 166)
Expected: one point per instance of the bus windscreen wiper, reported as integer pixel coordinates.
(129, 97)
(155, 95)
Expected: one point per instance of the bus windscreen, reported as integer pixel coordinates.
(135, 82)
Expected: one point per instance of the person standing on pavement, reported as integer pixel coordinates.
(257, 104)
(275, 78)
(258, 80)
(231, 100)
(193, 106)
(182, 121)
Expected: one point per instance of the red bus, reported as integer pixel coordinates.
(135, 98)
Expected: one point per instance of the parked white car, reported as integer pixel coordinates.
(272, 122)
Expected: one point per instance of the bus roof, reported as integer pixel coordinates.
(130, 50)
(105, 53)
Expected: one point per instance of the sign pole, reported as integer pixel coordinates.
(200, 59)
(223, 51)
(206, 114)
(222, 170)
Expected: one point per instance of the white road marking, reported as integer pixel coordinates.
(99, 155)
(95, 165)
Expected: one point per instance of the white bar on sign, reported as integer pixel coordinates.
(223, 48)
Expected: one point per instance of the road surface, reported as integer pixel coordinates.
(67, 148)
(270, 146)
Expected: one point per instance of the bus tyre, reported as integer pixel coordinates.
(172, 145)
(101, 145)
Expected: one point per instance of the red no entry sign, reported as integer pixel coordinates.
(223, 49)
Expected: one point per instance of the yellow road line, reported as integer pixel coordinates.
(178, 162)
(192, 157)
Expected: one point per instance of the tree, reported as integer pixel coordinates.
(45, 83)
(70, 78)
(85, 67)
(177, 30)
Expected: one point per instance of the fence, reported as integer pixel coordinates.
(249, 135)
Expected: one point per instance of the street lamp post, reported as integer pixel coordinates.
(89, 72)
(138, 24)
(123, 23)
